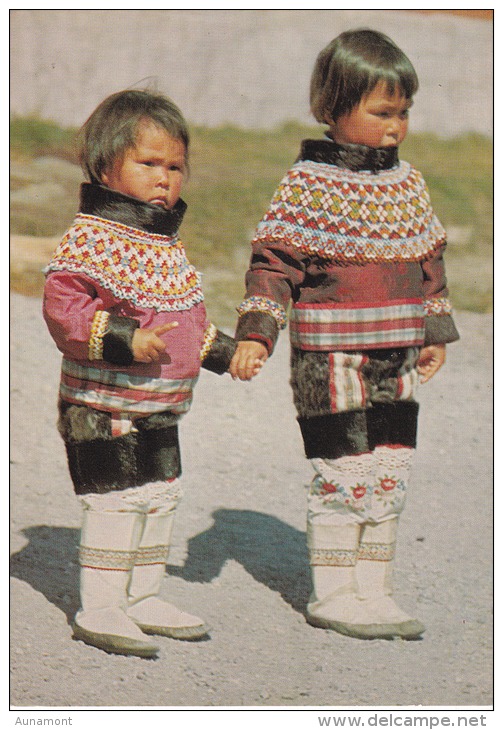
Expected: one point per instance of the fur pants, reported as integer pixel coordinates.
(358, 417)
(107, 453)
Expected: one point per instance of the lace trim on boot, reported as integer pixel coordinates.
(376, 551)
(340, 558)
(155, 555)
(151, 496)
(101, 559)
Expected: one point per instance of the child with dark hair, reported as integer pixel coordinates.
(117, 286)
(350, 238)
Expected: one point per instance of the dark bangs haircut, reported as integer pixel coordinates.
(113, 127)
(351, 66)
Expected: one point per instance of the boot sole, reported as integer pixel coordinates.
(407, 630)
(115, 644)
(185, 633)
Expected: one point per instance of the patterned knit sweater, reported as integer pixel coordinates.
(350, 238)
(120, 266)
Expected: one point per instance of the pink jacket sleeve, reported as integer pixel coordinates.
(70, 303)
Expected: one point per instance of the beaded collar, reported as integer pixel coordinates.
(352, 204)
(98, 200)
(130, 248)
(354, 157)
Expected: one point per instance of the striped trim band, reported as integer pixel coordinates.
(342, 558)
(359, 326)
(98, 329)
(100, 559)
(264, 304)
(209, 338)
(384, 552)
(155, 555)
(115, 391)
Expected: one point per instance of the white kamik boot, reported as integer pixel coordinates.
(338, 496)
(151, 614)
(374, 574)
(334, 603)
(109, 541)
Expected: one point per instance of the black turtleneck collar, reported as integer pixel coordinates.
(354, 157)
(106, 203)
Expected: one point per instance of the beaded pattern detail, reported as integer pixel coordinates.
(209, 338)
(437, 306)
(155, 555)
(383, 552)
(98, 329)
(122, 560)
(149, 270)
(263, 304)
(355, 217)
(340, 558)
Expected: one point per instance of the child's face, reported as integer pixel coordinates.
(153, 170)
(379, 120)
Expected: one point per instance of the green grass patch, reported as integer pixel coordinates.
(459, 174)
(33, 137)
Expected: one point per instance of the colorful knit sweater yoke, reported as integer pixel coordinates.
(355, 204)
(120, 266)
(351, 238)
(130, 248)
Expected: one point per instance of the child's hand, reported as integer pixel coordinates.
(431, 359)
(147, 344)
(248, 360)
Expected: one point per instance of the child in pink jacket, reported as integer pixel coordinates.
(125, 307)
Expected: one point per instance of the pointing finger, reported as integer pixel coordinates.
(164, 328)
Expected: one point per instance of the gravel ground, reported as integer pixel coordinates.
(239, 556)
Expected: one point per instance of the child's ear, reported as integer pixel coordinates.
(104, 178)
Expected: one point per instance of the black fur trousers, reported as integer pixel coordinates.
(101, 463)
(371, 409)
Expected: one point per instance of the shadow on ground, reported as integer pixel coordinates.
(271, 551)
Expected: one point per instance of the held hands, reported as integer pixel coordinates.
(248, 360)
(431, 359)
(147, 344)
